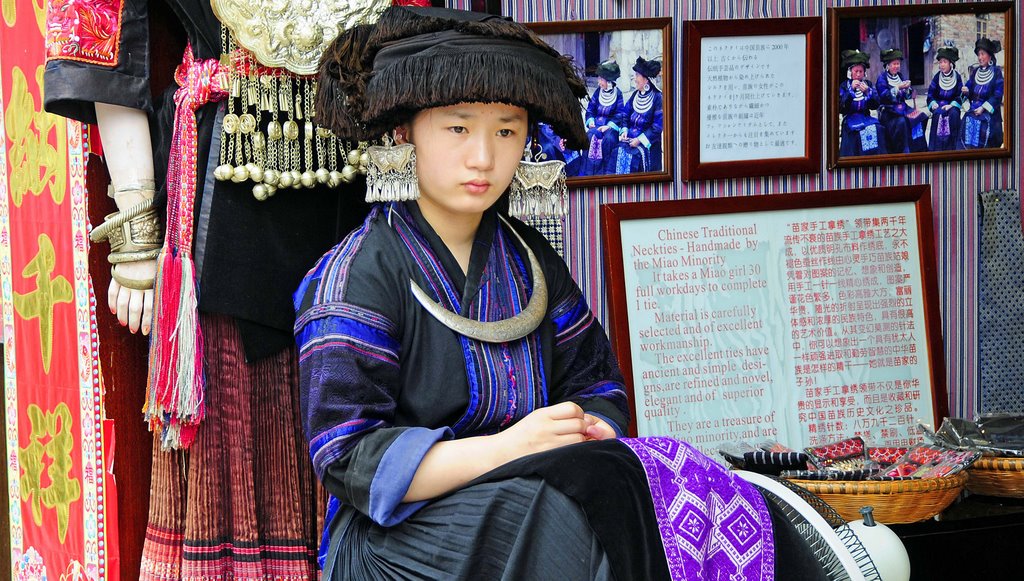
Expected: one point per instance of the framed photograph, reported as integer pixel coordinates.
(627, 65)
(753, 94)
(930, 82)
(800, 318)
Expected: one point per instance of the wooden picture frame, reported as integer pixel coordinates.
(901, 125)
(611, 160)
(770, 124)
(736, 318)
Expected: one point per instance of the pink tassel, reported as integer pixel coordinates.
(176, 381)
(175, 386)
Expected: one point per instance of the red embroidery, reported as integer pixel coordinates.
(84, 30)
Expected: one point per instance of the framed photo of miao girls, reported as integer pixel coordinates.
(627, 65)
(801, 318)
(921, 83)
(752, 97)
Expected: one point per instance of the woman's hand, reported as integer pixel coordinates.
(947, 107)
(451, 464)
(979, 111)
(590, 125)
(634, 143)
(598, 429)
(134, 308)
(546, 429)
(603, 128)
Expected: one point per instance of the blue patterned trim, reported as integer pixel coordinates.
(348, 311)
(506, 381)
(335, 264)
(333, 506)
(571, 317)
(348, 334)
(332, 444)
(340, 260)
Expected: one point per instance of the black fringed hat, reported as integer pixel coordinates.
(988, 45)
(649, 69)
(375, 77)
(893, 54)
(609, 71)
(855, 57)
(950, 53)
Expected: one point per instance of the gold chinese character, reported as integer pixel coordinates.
(50, 291)
(35, 164)
(10, 11)
(63, 489)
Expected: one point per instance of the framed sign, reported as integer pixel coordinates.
(753, 90)
(919, 83)
(627, 65)
(802, 318)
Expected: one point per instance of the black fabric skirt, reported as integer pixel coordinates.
(513, 529)
(579, 512)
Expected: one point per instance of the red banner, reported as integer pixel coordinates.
(58, 442)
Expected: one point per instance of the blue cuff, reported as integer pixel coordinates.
(618, 431)
(988, 107)
(643, 139)
(613, 125)
(395, 473)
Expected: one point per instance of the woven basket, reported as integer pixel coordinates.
(997, 477)
(894, 501)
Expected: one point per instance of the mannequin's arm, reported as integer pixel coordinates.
(129, 156)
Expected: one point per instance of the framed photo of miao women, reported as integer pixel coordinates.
(627, 65)
(921, 83)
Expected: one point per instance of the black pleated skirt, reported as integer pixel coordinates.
(513, 529)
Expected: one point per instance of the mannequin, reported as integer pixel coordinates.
(241, 501)
(129, 155)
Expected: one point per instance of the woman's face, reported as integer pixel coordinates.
(893, 66)
(603, 83)
(984, 59)
(945, 66)
(857, 72)
(640, 81)
(466, 155)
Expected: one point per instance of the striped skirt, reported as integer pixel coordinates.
(243, 501)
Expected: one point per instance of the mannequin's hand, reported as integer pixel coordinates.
(134, 308)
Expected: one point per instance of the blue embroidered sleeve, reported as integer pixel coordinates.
(585, 370)
(349, 378)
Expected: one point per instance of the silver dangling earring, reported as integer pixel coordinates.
(391, 172)
(538, 188)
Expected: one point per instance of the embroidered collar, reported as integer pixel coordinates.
(503, 331)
